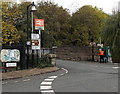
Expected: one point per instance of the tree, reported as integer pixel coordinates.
(111, 36)
(56, 23)
(10, 34)
(86, 24)
(10, 17)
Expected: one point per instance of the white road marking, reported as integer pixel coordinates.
(46, 83)
(61, 74)
(48, 79)
(53, 77)
(51, 91)
(45, 87)
(94, 66)
(65, 70)
(26, 80)
(4, 82)
(16, 81)
(115, 67)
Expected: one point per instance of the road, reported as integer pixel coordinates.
(74, 76)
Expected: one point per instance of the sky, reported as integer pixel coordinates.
(73, 5)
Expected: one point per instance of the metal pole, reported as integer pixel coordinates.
(27, 40)
(92, 41)
(32, 32)
(32, 20)
(92, 52)
(28, 33)
(40, 42)
(100, 40)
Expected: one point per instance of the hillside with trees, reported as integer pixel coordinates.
(61, 29)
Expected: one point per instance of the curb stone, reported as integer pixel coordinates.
(9, 77)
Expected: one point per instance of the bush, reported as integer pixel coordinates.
(44, 61)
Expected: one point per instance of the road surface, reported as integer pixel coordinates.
(74, 76)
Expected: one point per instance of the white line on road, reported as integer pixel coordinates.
(115, 67)
(46, 83)
(61, 74)
(45, 87)
(26, 80)
(51, 91)
(16, 81)
(53, 77)
(4, 82)
(65, 70)
(49, 79)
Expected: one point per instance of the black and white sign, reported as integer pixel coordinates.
(11, 64)
(35, 36)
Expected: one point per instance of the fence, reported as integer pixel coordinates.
(77, 53)
(32, 54)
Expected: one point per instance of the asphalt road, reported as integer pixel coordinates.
(73, 77)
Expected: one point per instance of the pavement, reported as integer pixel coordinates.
(27, 72)
(36, 71)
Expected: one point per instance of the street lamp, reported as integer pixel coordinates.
(32, 5)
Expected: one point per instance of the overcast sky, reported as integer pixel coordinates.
(72, 5)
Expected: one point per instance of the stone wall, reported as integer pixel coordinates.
(76, 53)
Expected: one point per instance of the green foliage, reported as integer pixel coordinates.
(111, 36)
(44, 61)
(11, 16)
(61, 29)
(56, 23)
(86, 24)
(10, 34)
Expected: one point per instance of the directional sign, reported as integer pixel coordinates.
(39, 24)
(35, 36)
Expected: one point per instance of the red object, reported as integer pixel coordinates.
(101, 52)
(39, 22)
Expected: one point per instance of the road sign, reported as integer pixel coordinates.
(100, 45)
(35, 44)
(8, 55)
(28, 43)
(39, 24)
(35, 36)
(11, 64)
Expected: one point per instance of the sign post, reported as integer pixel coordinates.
(39, 25)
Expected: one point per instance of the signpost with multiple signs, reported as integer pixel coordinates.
(36, 38)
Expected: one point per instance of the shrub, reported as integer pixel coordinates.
(44, 61)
